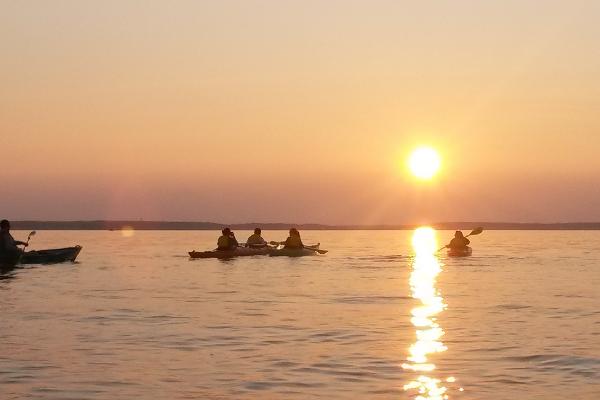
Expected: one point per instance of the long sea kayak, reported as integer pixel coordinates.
(306, 251)
(464, 252)
(238, 252)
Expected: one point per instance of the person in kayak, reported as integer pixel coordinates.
(256, 240)
(227, 240)
(8, 245)
(460, 242)
(293, 241)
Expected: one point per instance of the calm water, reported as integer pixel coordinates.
(135, 318)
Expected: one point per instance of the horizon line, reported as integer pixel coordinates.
(99, 224)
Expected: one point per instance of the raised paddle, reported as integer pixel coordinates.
(475, 231)
(32, 233)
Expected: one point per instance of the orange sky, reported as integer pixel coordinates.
(299, 111)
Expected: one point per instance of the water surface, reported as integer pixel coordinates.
(135, 318)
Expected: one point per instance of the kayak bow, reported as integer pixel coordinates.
(306, 251)
(51, 256)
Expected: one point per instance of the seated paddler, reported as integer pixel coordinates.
(293, 241)
(227, 240)
(459, 242)
(256, 240)
(8, 245)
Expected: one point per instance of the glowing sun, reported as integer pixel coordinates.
(424, 162)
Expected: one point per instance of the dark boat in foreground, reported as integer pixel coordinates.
(50, 256)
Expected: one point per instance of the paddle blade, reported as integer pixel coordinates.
(32, 233)
(476, 231)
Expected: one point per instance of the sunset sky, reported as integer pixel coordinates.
(299, 111)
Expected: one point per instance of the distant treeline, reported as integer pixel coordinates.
(182, 226)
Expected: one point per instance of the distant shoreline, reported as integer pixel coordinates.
(184, 226)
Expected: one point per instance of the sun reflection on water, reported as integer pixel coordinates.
(425, 269)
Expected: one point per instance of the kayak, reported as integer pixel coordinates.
(238, 252)
(50, 256)
(250, 251)
(306, 251)
(465, 252)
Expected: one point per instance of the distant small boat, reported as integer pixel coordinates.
(465, 252)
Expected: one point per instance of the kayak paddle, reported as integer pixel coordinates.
(316, 248)
(475, 231)
(32, 233)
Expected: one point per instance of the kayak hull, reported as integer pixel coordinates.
(223, 254)
(467, 251)
(49, 256)
(249, 251)
(9, 262)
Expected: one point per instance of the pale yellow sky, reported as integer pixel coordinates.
(299, 111)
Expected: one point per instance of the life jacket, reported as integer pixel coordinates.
(255, 239)
(223, 243)
(8, 246)
(458, 243)
(293, 242)
(7, 242)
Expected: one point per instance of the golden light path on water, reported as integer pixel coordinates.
(425, 269)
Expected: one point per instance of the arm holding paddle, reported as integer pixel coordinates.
(25, 244)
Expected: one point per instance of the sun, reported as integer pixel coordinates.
(424, 162)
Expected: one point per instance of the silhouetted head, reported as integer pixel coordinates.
(294, 232)
(458, 234)
(4, 225)
(257, 231)
(226, 231)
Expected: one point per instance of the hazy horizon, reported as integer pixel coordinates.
(299, 111)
